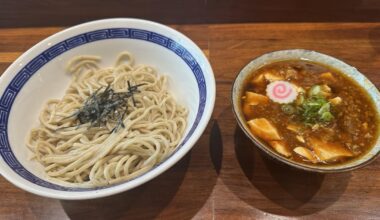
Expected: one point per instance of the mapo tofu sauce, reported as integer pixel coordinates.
(329, 120)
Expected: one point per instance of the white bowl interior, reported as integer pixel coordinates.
(161, 47)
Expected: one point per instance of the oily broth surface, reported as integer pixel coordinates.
(357, 108)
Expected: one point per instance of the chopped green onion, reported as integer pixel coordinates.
(288, 109)
(312, 109)
(315, 91)
(325, 108)
(319, 91)
(300, 99)
(327, 117)
(316, 109)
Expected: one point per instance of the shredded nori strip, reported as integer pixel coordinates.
(104, 106)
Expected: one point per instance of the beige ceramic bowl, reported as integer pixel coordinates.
(295, 54)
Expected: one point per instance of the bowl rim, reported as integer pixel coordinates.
(260, 144)
(209, 78)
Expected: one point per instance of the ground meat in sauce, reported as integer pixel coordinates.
(355, 124)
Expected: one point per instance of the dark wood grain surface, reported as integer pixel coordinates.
(225, 176)
(32, 13)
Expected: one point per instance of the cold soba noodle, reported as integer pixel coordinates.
(112, 124)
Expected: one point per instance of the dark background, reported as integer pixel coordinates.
(32, 13)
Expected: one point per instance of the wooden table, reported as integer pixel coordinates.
(225, 176)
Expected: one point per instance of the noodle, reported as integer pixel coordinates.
(84, 155)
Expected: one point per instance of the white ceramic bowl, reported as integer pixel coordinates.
(39, 75)
(300, 54)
